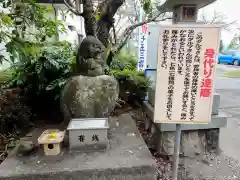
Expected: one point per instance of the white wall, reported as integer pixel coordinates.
(70, 36)
(75, 21)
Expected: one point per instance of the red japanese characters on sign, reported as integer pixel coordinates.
(144, 28)
(206, 85)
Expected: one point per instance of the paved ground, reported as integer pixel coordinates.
(227, 165)
(229, 89)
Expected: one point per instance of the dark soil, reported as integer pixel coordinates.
(163, 162)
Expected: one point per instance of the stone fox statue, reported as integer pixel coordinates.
(91, 93)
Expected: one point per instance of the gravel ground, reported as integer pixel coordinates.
(209, 167)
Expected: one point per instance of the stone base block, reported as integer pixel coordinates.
(151, 94)
(148, 124)
(197, 139)
(196, 142)
(216, 103)
(217, 121)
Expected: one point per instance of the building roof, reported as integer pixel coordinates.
(170, 4)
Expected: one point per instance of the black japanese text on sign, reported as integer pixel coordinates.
(172, 68)
(165, 39)
(181, 51)
(188, 64)
(185, 73)
(195, 74)
(184, 62)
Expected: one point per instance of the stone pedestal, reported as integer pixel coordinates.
(128, 158)
(196, 139)
(196, 142)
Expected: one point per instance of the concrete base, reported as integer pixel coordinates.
(196, 139)
(193, 143)
(217, 121)
(128, 157)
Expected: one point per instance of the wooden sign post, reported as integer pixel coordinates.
(185, 73)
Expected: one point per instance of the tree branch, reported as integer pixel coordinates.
(106, 9)
(218, 18)
(127, 33)
(72, 9)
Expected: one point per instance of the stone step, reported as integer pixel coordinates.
(128, 157)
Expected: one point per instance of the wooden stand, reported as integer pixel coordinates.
(51, 140)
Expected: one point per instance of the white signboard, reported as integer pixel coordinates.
(142, 44)
(187, 57)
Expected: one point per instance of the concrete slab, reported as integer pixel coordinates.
(128, 158)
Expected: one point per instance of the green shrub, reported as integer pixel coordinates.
(129, 61)
(47, 72)
(15, 113)
(5, 76)
(43, 76)
(133, 85)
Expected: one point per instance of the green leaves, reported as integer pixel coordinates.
(6, 3)
(46, 71)
(5, 19)
(133, 84)
(128, 60)
(221, 46)
(22, 40)
(147, 6)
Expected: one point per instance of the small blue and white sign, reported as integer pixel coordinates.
(142, 43)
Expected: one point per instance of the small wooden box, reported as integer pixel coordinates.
(51, 140)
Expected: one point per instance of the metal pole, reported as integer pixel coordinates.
(178, 126)
(177, 141)
(176, 151)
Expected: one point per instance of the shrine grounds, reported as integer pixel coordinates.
(224, 166)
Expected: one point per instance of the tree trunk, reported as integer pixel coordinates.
(100, 28)
(99, 23)
(89, 18)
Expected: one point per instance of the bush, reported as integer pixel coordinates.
(42, 77)
(133, 85)
(127, 60)
(15, 113)
(46, 73)
(5, 76)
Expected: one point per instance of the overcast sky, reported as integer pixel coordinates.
(230, 8)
